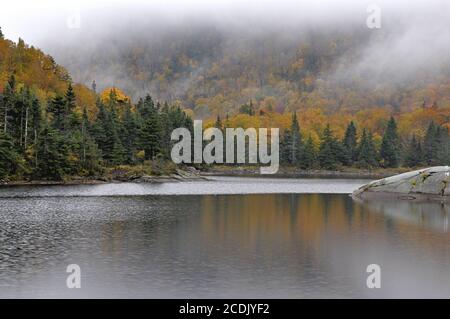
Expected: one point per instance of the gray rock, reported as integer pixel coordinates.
(425, 184)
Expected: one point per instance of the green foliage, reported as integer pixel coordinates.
(414, 153)
(309, 155)
(367, 155)
(331, 151)
(247, 108)
(52, 155)
(390, 145)
(350, 143)
(9, 159)
(291, 146)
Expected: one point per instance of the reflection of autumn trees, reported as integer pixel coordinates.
(301, 220)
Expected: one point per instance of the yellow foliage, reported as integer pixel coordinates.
(120, 96)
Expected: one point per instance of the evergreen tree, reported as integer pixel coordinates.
(57, 108)
(350, 143)
(308, 156)
(150, 131)
(104, 132)
(390, 145)
(443, 152)
(8, 101)
(70, 99)
(367, 154)
(291, 143)
(1, 33)
(247, 108)
(414, 153)
(431, 144)
(129, 135)
(296, 140)
(51, 154)
(9, 159)
(330, 150)
(36, 119)
(285, 143)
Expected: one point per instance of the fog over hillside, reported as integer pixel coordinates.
(228, 52)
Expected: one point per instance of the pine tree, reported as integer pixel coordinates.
(330, 150)
(367, 154)
(150, 131)
(431, 144)
(390, 145)
(350, 143)
(443, 152)
(129, 134)
(9, 159)
(166, 129)
(52, 155)
(57, 107)
(308, 156)
(296, 140)
(8, 101)
(36, 119)
(414, 153)
(103, 132)
(1, 33)
(285, 143)
(70, 99)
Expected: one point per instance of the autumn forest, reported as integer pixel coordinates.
(52, 128)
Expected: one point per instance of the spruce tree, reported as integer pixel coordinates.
(285, 150)
(414, 153)
(308, 156)
(57, 108)
(103, 131)
(390, 145)
(443, 152)
(9, 159)
(52, 154)
(431, 144)
(350, 143)
(129, 135)
(330, 149)
(367, 154)
(295, 147)
(150, 131)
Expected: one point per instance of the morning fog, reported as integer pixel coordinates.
(231, 146)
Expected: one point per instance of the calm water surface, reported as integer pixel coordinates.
(293, 238)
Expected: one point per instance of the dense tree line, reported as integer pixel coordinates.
(360, 150)
(55, 140)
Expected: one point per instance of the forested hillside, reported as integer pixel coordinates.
(53, 128)
(214, 70)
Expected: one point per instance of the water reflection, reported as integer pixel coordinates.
(432, 214)
(310, 245)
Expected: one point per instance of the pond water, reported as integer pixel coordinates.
(226, 238)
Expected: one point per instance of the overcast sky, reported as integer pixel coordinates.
(415, 33)
(36, 21)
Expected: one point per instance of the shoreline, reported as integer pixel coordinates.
(192, 174)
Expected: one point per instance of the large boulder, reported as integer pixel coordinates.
(425, 184)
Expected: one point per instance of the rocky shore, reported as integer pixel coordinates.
(425, 184)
